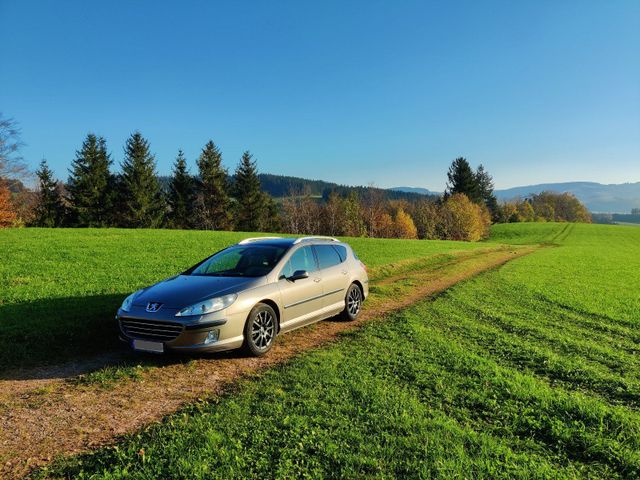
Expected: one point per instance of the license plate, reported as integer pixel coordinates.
(146, 346)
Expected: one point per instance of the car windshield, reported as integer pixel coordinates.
(240, 261)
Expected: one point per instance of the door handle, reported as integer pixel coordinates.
(344, 272)
(317, 279)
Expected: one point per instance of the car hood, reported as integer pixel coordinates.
(184, 290)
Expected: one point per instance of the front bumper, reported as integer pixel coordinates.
(181, 334)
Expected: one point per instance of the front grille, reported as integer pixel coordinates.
(150, 329)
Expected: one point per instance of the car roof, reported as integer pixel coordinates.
(271, 242)
(288, 242)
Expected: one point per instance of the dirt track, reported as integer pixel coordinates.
(44, 415)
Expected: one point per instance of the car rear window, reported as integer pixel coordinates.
(327, 256)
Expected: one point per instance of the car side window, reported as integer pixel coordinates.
(327, 256)
(342, 251)
(302, 259)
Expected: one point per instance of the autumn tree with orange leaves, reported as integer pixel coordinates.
(7, 210)
(404, 226)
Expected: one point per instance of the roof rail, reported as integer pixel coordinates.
(316, 237)
(255, 239)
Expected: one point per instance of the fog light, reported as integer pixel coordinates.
(212, 336)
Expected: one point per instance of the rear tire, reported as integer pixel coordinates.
(352, 303)
(260, 330)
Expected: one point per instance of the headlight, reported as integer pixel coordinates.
(208, 306)
(126, 305)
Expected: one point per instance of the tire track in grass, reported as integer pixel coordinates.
(439, 263)
(40, 420)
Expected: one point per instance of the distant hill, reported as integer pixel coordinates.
(598, 197)
(421, 191)
(281, 185)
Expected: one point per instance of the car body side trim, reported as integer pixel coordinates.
(313, 298)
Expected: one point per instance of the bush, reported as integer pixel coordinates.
(461, 219)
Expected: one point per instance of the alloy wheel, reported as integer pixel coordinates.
(263, 329)
(354, 301)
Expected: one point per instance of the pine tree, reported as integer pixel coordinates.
(8, 215)
(485, 186)
(251, 203)
(212, 204)
(462, 179)
(181, 195)
(141, 202)
(90, 185)
(49, 210)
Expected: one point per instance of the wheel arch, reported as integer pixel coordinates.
(360, 286)
(273, 305)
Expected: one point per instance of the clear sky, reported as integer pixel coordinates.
(387, 92)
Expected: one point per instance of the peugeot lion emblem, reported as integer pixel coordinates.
(153, 306)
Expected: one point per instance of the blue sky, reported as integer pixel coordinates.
(387, 92)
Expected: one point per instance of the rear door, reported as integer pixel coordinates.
(335, 276)
(302, 299)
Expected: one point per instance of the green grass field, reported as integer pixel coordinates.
(60, 288)
(529, 371)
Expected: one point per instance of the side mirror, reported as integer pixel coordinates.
(298, 275)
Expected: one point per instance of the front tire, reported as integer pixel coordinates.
(352, 303)
(260, 330)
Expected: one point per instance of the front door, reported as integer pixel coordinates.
(301, 299)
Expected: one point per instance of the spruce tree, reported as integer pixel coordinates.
(181, 195)
(462, 179)
(251, 203)
(141, 203)
(485, 186)
(49, 209)
(90, 185)
(213, 203)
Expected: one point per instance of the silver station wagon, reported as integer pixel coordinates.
(246, 295)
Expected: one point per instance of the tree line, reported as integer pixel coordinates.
(94, 196)
(464, 212)
(212, 199)
(456, 218)
(545, 207)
